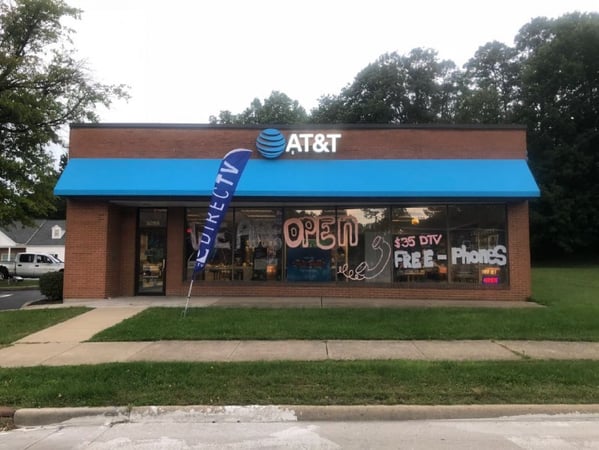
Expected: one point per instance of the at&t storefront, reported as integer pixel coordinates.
(335, 211)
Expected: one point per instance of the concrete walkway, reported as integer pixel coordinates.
(285, 302)
(70, 353)
(64, 343)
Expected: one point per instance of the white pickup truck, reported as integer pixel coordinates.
(30, 265)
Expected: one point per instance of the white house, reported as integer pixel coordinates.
(45, 236)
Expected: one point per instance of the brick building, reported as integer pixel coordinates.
(418, 212)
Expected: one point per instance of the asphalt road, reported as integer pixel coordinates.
(16, 299)
(569, 431)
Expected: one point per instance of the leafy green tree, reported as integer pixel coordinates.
(276, 109)
(59, 210)
(492, 85)
(417, 88)
(43, 86)
(330, 109)
(560, 105)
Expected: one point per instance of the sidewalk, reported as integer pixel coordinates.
(284, 302)
(64, 343)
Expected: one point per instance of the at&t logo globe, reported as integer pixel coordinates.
(271, 143)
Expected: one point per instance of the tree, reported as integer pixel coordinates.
(42, 88)
(560, 105)
(417, 88)
(276, 109)
(492, 85)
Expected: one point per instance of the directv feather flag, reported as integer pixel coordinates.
(227, 177)
(229, 173)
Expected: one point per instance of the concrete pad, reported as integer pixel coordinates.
(466, 350)
(84, 326)
(269, 302)
(97, 353)
(23, 438)
(27, 355)
(342, 349)
(187, 351)
(554, 350)
(147, 301)
(346, 302)
(283, 302)
(280, 350)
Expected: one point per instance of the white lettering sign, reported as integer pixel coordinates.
(414, 260)
(326, 232)
(312, 142)
(496, 255)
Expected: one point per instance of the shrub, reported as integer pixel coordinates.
(51, 285)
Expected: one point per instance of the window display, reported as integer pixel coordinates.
(412, 244)
(420, 243)
(369, 259)
(248, 246)
(478, 244)
(311, 238)
(258, 244)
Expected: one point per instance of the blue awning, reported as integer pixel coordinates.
(305, 179)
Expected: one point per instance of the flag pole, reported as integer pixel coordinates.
(228, 175)
(188, 295)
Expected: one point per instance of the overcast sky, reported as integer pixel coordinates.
(185, 60)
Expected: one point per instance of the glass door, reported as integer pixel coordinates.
(151, 261)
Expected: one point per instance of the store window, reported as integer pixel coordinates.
(420, 244)
(311, 243)
(368, 258)
(248, 246)
(477, 238)
(220, 266)
(415, 244)
(258, 244)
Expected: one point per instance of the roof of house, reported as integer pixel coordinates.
(38, 234)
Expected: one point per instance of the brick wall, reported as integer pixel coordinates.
(113, 255)
(382, 143)
(86, 249)
(175, 244)
(101, 239)
(519, 250)
(127, 241)
(106, 258)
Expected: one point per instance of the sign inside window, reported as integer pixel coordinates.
(324, 232)
(417, 251)
(494, 256)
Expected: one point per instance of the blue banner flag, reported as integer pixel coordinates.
(229, 173)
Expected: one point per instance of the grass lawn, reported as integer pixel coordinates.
(17, 324)
(12, 285)
(309, 383)
(571, 297)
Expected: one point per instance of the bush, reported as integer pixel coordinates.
(51, 285)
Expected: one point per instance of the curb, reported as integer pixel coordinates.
(6, 418)
(6, 411)
(433, 412)
(31, 417)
